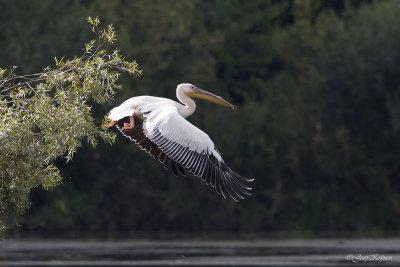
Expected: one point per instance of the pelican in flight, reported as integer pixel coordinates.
(159, 127)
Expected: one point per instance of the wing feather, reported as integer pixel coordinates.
(183, 148)
(194, 151)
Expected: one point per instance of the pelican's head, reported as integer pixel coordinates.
(192, 91)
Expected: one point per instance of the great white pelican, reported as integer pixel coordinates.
(159, 127)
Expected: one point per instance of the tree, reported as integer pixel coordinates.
(48, 115)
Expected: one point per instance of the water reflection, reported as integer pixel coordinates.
(289, 252)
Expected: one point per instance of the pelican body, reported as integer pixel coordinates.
(159, 127)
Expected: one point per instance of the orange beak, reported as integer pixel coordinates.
(199, 93)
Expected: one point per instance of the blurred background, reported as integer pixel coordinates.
(317, 86)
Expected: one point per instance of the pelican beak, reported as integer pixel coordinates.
(199, 93)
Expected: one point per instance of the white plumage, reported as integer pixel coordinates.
(158, 125)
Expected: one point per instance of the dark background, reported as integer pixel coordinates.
(317, 86)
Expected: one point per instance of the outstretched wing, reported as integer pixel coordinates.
(185, 149)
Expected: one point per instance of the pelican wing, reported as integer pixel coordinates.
(183, 148)
(136, 135)
(191, 149)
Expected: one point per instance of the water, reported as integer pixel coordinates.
(270, 252)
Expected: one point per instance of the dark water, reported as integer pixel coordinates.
(279, 252)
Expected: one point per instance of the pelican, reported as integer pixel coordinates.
(159, 127)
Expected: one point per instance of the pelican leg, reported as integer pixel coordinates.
(131, 125)
(111, 124)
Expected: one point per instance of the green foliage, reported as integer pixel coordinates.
(47, 115)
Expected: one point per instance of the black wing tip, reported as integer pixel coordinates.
(247, 180)
(235, 186)
(227, 182)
